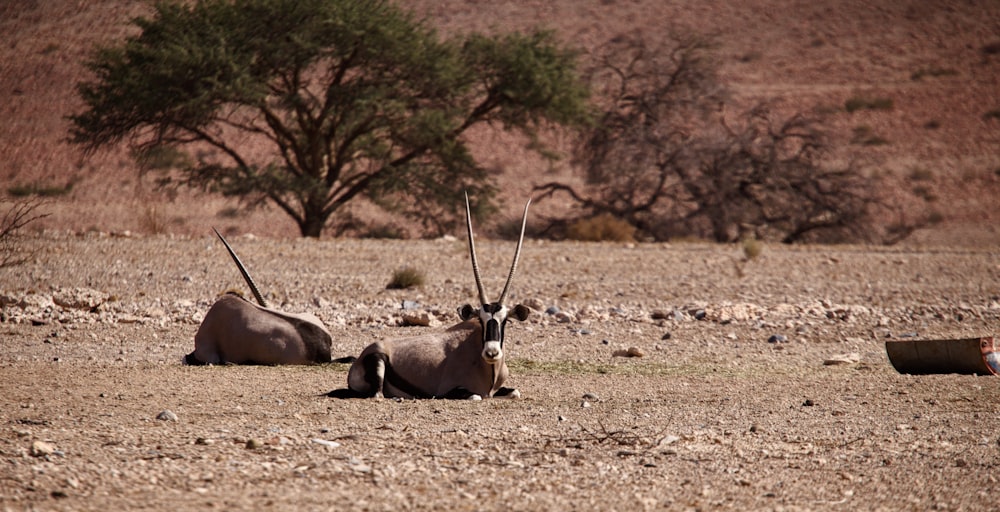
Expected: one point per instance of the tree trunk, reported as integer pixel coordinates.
(312, 225)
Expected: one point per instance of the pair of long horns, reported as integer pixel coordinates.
(475, 263)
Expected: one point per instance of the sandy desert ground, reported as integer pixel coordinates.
(713, 416)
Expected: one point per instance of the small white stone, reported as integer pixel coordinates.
(326, 443)
(166, 415)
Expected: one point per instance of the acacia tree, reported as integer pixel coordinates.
(310, 104)
(672, 157)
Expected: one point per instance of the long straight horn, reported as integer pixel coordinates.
(472, 252)
(243, 270)
(517, 254)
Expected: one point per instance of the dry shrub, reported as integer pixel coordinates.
(856, 103)
(752, 248)
(152, 220)
(601, 228)
(13, 249)
(406, 277)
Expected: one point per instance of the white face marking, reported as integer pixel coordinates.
(493, 333)
(492, 352)
(499, 316)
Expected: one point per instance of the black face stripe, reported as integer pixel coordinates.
(492, 331)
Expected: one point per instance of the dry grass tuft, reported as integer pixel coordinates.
(406, 277)
(602, 228)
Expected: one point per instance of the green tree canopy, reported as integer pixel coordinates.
(310, 104)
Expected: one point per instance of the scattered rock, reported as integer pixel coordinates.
(359, 466)
(253, 444)
(418, 319)
(326, 443)
(777, 338)
(667, 440)
(666, 336)
(535, 303)
(564, 318)
(839, 359)
(166, 415)
(551, 310)
(42, 449)
(410, 305)
(660, 315)
(631, 352)
(590, 396)
(79, 298)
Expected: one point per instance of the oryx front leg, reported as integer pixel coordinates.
(375, 366)
(509, 393)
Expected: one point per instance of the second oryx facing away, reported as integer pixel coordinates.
(465, 361)
(237, 331)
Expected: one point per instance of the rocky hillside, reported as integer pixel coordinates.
(936, 62)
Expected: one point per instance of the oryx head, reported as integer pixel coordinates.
(493, 316)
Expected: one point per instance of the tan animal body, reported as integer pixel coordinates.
(237, 331)
(465, 361)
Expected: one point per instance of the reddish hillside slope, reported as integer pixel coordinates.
(938, 61)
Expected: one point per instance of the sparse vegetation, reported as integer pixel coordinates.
(160, 157)
(601, 228)
(385, 231)
(406, 277)
(856, 103)
(865, 136)
(673, 155)
(18, 216)
(229, 212)
(921, 174)
(924, 192)
(152, 220)
(932, 72)
(991, 48)
(752, 248)
(39, 190)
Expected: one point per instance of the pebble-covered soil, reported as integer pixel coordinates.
(760, 384)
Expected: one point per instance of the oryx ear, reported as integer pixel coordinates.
(521, 312)
(467, 311)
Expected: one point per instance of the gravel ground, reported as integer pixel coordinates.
(730, 405)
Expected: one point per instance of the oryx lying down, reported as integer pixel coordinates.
(465, 361)
(237, 331)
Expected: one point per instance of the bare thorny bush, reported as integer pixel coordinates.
(673, 155)
(12, 246)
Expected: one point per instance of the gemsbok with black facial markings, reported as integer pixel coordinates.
(237, 331)
(467, 361)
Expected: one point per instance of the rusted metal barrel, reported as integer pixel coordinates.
(977, 356)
